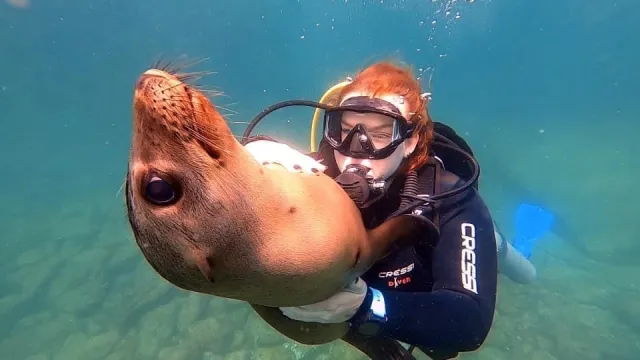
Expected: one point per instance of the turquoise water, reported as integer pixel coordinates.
(546, 92)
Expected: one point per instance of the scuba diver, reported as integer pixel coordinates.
(380, 144)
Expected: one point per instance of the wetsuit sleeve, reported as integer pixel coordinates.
(457, 315)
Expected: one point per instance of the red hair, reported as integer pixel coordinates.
(384, 78)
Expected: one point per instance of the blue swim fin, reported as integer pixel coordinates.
(532, 222)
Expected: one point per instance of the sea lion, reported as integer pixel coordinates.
(210, 219)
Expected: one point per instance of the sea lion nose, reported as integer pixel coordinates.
(151, 74)
(142, 82)
(158, 73)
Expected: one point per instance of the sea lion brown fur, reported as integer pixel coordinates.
(238, 229)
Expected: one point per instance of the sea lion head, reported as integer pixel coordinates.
(185, 193)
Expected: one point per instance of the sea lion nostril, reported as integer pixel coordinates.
(142, 80)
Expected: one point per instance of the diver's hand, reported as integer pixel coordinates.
(338, 308)
(271, 152)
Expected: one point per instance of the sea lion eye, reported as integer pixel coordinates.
(159, 191)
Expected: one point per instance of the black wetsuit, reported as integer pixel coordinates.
(430, 302)
(424, 286)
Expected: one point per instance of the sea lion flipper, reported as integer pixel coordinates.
(316, 334)
(303, 332)
(378, 348)
(384, 236)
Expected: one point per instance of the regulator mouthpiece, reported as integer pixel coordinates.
(354, 182)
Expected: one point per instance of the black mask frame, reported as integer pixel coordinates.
(363, 147)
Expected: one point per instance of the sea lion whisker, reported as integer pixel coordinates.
(208, 141)
(168, 88)
(232, 104)
(158, 63)
(208, 89)
(188, 75)
(183, 99)
(192, 76)
(215, 136)
(211, 93)
(190, 63)
(187, 98)
(124, 181)
(176, 66)
(228, 110)
(208, 134)
(224, 116)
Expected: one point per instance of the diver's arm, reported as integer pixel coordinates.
(451, 318)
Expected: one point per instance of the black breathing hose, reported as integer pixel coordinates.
(410, 188)
(410, 200)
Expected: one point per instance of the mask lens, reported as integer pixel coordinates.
(381, 130)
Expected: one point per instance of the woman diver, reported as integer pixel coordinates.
(379, 143)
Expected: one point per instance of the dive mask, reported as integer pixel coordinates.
(366, 128)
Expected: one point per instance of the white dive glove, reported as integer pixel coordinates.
(271, 152)
(336, 309)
